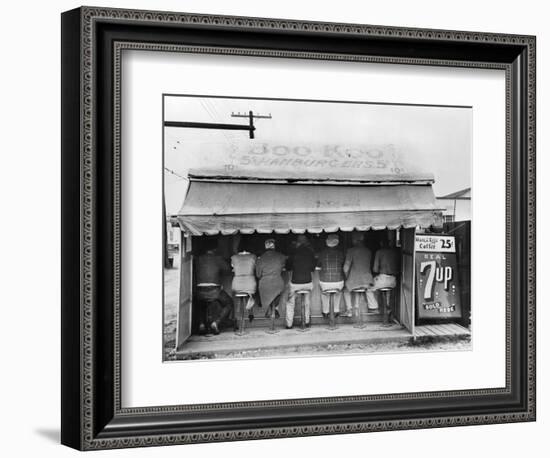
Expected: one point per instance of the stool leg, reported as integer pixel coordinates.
(303, 312)
(390, 307)
(385, 296)
(303, 327)
(356, 305)
(332, 324)
(241, 324)
(273, 318)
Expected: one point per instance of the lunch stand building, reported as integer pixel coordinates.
(228, 206)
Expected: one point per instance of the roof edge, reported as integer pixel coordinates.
(382, 180)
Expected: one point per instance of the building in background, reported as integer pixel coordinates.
(458, 205)
(457, 218)
(173, 242)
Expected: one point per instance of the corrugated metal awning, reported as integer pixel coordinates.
(227, 208)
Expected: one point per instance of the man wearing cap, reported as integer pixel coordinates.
(269, 268)
(357, 270)
(331, 276)
(387, 265)
(302, 263)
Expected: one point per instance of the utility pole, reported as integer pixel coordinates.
(223, 126)
(207, 125)
(251, 116)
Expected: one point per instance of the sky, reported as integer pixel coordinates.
(317, 139)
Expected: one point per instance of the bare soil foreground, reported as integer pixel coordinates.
(420, 345)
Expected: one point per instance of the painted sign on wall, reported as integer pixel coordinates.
(308, 160)
(437, 288)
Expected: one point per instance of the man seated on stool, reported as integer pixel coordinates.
(331, 276)
(357, 269)
(269, 270)
(214, 303)
(302, 264)
(387, 263)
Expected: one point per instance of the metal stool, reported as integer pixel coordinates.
(331, 318)
(386, 296)
(242, 298)
(355, 301)
(205, 315)
(302, 295)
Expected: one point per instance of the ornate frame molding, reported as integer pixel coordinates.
(89, 18)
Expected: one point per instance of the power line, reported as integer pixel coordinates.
(181, 177)
(212, 108)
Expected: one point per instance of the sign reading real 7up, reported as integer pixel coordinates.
(437, 288)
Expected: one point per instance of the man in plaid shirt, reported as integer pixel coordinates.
(331, 261)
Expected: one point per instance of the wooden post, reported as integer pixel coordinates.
(185, 303)
(331, 317)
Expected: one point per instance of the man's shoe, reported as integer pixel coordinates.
(349, 314)
(289, 327)
(250, 317)
(325, 315)
(214, 328)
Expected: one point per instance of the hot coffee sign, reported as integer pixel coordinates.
(437, 288)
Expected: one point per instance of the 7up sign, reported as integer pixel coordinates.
(437, 288)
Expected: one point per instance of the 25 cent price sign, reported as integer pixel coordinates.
(437, 288)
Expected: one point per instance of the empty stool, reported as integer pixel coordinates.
(386, 298)
(242, 297)
(302, 296)
(331, 318)
(355, 293)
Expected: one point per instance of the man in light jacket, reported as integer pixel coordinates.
(357, 270)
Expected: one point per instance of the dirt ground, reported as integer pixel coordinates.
(171, 294)
(450, 344)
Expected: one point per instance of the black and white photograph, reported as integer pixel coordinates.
(301, 228)
(275, 229)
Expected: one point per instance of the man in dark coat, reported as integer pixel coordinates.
(215, 304)
(302, 264)
(269, 269)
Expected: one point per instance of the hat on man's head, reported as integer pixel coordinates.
(210, 245)
(270, 244)
(332, 240)
(302, 239)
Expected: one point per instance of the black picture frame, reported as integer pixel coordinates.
(92, 416)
